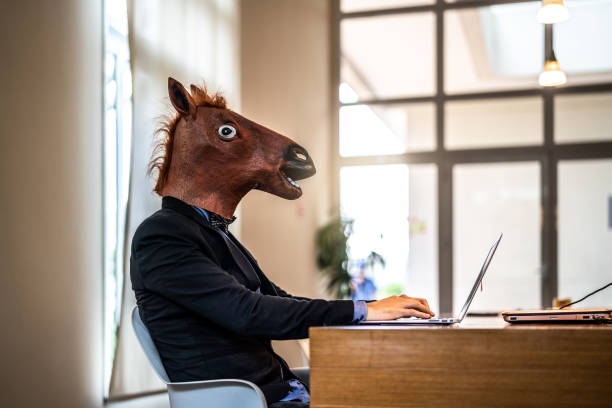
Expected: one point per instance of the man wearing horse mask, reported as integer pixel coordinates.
(210, 309)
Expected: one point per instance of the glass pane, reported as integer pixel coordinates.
(116, 15)
(117, 145)
(348, 6)
(489, 199)
(109, 67)
(585, 230)
(502, 46)
(583, 117)
(388, 56)
(110, 94)
(394, 208)
(582, 43)
(493, 48)
(367, 130)
(493, 123)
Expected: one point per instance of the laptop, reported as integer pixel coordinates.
(559, 315)
(445, 320)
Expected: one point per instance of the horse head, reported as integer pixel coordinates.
(211, 156)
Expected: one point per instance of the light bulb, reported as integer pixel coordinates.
(552, 75)
(552, 11)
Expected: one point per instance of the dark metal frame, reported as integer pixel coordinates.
(547, 154)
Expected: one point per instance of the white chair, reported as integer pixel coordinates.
(230, 393)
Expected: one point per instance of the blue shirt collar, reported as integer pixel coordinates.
(202, 212)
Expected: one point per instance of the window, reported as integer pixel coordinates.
(117, 147)
(492, 48)
(585, 229)
(479, 123)
(394, 211)
(367, 130)
(445, 139)
(389, 71)
(361, 5)
(490, 198)
(583, 118)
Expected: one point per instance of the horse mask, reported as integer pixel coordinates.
(211, 157)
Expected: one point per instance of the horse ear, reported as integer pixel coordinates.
(180, 98)
(194, 89)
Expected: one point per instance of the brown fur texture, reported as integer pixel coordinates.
(211, 157)
(162, 153)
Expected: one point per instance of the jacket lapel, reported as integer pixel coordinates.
(245, 266)
(268, 289)
(238, 256)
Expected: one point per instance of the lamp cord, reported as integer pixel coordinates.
(592, 293)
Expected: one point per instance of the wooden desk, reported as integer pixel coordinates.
(483, 362)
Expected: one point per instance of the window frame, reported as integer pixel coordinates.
(116, 45)
(547, 154)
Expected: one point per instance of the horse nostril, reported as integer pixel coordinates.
(300, 156)
(297, 162)
(299, 153)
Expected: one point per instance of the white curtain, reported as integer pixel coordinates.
(192, 41)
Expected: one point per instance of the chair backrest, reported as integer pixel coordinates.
(146, 342)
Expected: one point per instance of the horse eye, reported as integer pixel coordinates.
(227, 132)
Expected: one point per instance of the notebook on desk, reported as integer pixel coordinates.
(564, 315)
(446, 320)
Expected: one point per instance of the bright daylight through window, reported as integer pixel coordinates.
(446, 138)
(117, 146)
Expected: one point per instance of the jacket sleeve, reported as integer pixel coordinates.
(171, 265)
(282, 293)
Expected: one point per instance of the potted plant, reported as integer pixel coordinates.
(333, 259)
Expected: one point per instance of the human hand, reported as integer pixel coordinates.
(394, 307)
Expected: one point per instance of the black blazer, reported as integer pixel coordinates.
(197, 295)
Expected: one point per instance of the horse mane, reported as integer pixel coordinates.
(162, 153)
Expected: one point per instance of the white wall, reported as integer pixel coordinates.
(285, 85)
(50, 170)
(50, 167)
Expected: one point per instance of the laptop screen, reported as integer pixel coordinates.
(485, 265)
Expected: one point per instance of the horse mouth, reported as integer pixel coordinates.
(295, 165)
(289, 180)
